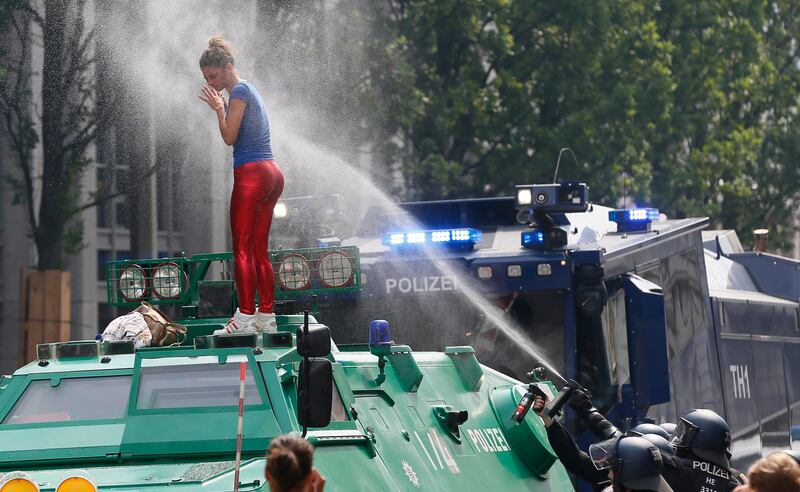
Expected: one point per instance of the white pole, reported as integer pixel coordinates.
(239, 427)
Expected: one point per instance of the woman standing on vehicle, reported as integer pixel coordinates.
(257, 184)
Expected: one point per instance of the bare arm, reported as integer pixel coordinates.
(228, 125)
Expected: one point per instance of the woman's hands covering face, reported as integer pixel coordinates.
(214, 99)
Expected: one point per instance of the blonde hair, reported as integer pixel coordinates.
(778, 472)
(289, 459)
(218, 54)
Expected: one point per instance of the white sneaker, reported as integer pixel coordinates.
(266, 322)
(240, 323)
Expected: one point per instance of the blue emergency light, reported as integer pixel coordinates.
(379, 333)
(544, 239)
(533, 239)
(633, 220)
(461, 238)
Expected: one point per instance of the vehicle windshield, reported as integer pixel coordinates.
(195, 382)
(69, 399)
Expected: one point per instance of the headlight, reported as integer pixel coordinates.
(280, 211)
(18, 482)
(523, 196)
(168, 281)
(336, 269)
(76, 484)
(294, 272)
(132, 283)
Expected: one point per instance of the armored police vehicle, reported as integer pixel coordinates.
(105, 415)
(654, 315)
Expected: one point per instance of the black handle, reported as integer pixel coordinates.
(554, 406)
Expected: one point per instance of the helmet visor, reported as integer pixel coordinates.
(684, 434)
(604, 453)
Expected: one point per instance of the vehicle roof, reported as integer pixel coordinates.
(590, 233)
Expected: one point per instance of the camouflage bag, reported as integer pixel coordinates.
(165, 332)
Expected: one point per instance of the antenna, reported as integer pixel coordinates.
(560, 152)
(624, 189)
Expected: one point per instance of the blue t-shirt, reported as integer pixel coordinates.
(253, 143)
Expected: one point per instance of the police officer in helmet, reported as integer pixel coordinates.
(634, 464)
(669, 427)
(647, 428)
(702, 455)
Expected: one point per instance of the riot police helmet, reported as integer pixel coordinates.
(648, 428)
(660, 443)
(669, 427)
(635, 461)
(706, 435)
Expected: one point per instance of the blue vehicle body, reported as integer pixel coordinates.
(690, 319)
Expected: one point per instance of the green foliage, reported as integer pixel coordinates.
(67, 121)
(695, 102)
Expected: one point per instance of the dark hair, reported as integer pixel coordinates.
(289, 460)
(218, 54)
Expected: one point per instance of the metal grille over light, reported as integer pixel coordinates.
(132, 285)
(294, 272)
(336, 269)
(169, 281)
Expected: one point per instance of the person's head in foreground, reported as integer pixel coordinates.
(289, 460)
(778, 472)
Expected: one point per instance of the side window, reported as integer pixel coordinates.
(615, 330)
(71, 399)
(683, 299)
(194, 385)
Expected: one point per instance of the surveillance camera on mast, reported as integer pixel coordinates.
(535, 203)
(567, 197)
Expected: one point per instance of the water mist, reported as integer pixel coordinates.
(155, 46)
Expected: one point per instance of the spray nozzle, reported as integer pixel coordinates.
(538, 374)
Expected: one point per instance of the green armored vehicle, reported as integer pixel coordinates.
(100, 415)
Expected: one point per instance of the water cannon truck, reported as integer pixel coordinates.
(105, 415)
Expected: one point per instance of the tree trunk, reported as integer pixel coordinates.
(50, 229)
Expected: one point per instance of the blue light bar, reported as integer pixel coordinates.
(633, 220)
(444, 237)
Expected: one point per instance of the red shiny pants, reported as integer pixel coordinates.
(256, 188)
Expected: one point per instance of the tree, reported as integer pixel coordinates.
(695, 103)
(50, 189)
(729, 148)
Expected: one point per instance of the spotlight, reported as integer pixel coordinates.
(169, 281)
(523, 195)
(132, 285)
(280, 211)
(335, 269)
(294, 272)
